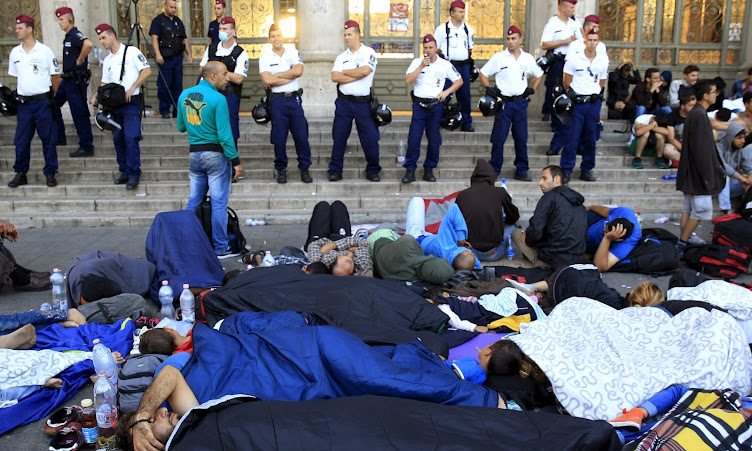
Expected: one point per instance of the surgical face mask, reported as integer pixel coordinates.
(224, 36)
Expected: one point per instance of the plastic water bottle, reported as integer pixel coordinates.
(661, 220)
(639, 219)
(104, 363)
(59, 300)
(401, 153)
(249, 267)
(268, 259)
(187, 302)
(255, 222)
(669, 177)
(106, 408)
(503, 184)
(166, 297)
(510, 249)
(45, 309)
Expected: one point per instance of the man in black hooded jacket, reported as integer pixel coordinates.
(556, 234)
(489, 213)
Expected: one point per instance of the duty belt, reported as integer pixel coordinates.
(297, 93)
(461, 62)
(76, 74)
(26, 99)
(512, 98)
(587, 99)
(353, 98)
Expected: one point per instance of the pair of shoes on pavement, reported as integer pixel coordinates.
(305, 176)
(409, 176)
(130, 183)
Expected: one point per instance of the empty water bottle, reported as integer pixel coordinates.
(45, 309)
(401, 153)
(661, 220)
(166, 297)
(104, 363)
(106, 408)
(187, 302)
(255, 222)
(59, 300)
(503, 184)
(510, 249)
(268, 259)
(669, 177)
(639, 219)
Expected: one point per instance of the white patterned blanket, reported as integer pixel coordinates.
(736, 300)
(600, 360)
(25, 368)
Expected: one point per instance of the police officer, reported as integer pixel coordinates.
(512, 68)
(353, 72)
(560, 31)
(169, 42)
(280, 69)
(585, 75)
(219, 12)
(236, 60)
(75, 81)
(35, 66)
(578, 46)
(455, 40)
(429, 75)
(128, 115)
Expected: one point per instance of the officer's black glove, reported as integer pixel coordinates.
(528, 92)
(493, 91)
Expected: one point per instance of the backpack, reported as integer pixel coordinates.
(237, 241)
(135, 376)
(655, 254)
(686, 277)
(733, 230)
(718, 260)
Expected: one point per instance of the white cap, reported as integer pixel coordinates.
(86, 403)
(96, 340)
(268, 252)
(185, 285)
(56, 270)
(164, 282)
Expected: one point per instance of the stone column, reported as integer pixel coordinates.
(321, 28)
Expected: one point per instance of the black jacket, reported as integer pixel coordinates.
(482, 205)
(558, 227)
(618, 86)
(700, 168)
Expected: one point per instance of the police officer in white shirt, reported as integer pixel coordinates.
(512, 68)
(455, 40)
(560, 31)
(35, 66)
(578, 46)
(585, 75)
(353, 72)
(280, 69)
(428, 74)
(128, 115)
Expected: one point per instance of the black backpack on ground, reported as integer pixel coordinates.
(733, 230)
(718, 260)
(237, 241)
(655, 254)
(135, 376)
(686, 277)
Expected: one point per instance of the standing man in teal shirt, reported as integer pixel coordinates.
(203, 113)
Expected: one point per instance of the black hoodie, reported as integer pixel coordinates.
(558, 227)
(482, 204)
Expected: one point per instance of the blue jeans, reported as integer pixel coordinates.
(732, 189)
(513, 114)
(428, 119)
(211, 171)
(499, 251)
(657, 110)
(11, 323)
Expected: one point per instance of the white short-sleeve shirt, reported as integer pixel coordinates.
(586, 75)
(578, 46)
(643, 119)
(430, 81)
(364, 56)
(273, 63)
(511, 73)
(241, 65)
(556, 30)
(458, 41)
(134, 64)
(34, 69)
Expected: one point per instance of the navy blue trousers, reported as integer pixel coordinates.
(463, 94)
(554, 76)
(72, 92)
(344, 113)
(233, 104)
(514, 115)
(170, 82)
(585, 117)
(428, 119)
(288, 116)
(126, 140)
(35, 116)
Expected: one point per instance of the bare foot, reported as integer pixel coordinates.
(54, 382)
(76, 317)
(23, 338)
(481, 329)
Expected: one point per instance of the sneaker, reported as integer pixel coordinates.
(630, 420)
(363, 233)
(694, 239)
(637, 163)
(228, 254)
(18, 180)
(68, 438)
(61, 418)
(661, 163)
(680, 247)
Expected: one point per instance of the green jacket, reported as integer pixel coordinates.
(403, 259)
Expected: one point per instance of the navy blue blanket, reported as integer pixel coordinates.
(293, 362)
(117, 337)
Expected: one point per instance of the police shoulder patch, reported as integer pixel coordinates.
(300, 58)
(141, 58)
(246, 64)
(54, 62)
(373, 59)
(80, 35)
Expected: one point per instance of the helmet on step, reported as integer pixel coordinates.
(260, 113)
(7, 101)
(474, 73)
(563, 106)
(106, 122)
(452, 118)
(382, 115)
(488, 105)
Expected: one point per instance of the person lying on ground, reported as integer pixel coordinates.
(612, 234)
(279, 357)
(449, 243)
(344, 257)
(18, 331)
(109, 274)
(23, 279)
(401, 258)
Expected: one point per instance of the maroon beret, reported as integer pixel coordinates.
(23, 18)
(101, 28)
(62, 11)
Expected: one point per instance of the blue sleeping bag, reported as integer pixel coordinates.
(179, 247)
(290, 361)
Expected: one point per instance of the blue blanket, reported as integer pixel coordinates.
(292, 362)
(117, 337)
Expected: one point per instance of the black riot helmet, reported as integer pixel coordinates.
(105, 122)
(260, 112)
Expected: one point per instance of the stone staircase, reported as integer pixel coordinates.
(86, 196)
